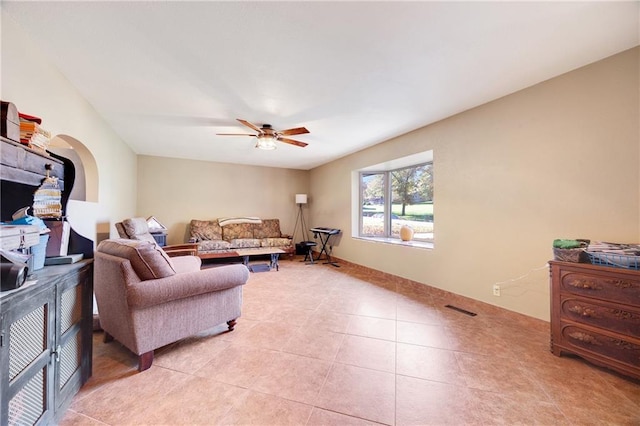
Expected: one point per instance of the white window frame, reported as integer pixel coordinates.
(385, 168)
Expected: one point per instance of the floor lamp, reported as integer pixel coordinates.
(300, 200)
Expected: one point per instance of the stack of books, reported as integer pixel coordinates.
(32, 134)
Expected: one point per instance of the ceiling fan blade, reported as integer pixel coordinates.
(292, 142)
(253, 126)
(235, 134)
(296, 131)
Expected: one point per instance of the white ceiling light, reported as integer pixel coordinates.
(266, 142)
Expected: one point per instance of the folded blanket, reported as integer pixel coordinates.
(242, 219)
(569, 244)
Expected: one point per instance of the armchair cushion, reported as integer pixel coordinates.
(180, 286)
(147, 259)
(187, 263)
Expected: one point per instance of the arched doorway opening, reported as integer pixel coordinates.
(85, 187)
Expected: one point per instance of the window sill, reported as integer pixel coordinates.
(398, 242)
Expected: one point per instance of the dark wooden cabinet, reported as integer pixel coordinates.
(45, 343)
(595, 313)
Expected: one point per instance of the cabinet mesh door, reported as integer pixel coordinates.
(70, 308)
(70, 314)
(28, 339)
(70, 358)
(27, 406)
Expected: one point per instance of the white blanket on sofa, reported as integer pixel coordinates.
(222, 221)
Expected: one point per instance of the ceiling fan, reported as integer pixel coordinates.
(267, 136)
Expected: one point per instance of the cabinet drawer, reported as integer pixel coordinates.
(615, 289)
(618, 348)
(22, 165)
(14, 155)
(614, 318)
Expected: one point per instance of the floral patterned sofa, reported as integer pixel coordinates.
(221, 237)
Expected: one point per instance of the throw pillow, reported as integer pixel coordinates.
(238, 231)
(148, 260)
(203, 230)
(135, 226)
(270, 228)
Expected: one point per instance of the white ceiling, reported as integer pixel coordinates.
(168, 76)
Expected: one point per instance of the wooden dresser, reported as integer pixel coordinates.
(595, 313)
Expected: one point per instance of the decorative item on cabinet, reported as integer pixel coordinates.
(13, 272)
(571, 250)
(37, 251)
(10, 125)
(616, 255)
(595, 314)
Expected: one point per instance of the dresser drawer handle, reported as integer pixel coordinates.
(625, 284)
(582, 311)
(622, 344)
(620, 314)
(586, 284)
(584, 337)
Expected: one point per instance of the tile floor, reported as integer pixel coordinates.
(318, 345)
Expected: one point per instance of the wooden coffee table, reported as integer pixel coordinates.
(273, 251)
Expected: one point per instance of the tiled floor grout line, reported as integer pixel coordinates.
(359, 307)
(395, 403)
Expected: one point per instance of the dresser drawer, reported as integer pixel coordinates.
(619, 348)
(610, 317)
(621, 289)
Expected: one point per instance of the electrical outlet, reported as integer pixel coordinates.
(496, 290)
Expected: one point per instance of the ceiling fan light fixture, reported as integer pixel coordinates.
(267, 137)
(266, 142)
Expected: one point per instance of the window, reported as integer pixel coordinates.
(372, 190)
(399, 196)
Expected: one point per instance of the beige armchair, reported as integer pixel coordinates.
(147, 300)
(136, 228)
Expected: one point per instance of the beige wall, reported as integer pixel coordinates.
(560, 159)
(36, 87)
(557, 160)
(176, 191)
